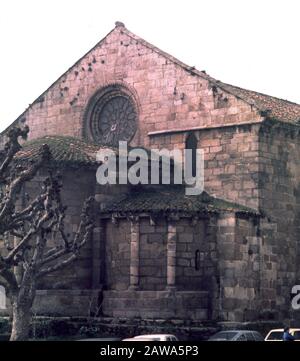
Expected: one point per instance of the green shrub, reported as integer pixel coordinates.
(89, 331)
(52, 328)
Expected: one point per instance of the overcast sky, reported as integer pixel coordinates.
(249, 43)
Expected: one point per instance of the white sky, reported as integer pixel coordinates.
(249, 43)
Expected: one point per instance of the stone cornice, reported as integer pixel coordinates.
(188, 129)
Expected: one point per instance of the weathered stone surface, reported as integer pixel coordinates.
(245, 264)
(159, 304)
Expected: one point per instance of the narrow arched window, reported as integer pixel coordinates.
(2, 298)
(197, 260)
(191, 143)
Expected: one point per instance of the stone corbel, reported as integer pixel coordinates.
(115, 219)
(173, 217)
(194, 220)
(152, 220)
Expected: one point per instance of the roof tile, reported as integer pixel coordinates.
(172, 200)
(64, 150)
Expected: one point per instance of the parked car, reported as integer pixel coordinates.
(101, 339)
(145, 339)
(237, 335)
(157, 337)
(277, 334)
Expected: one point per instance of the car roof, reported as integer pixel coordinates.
(155, 335)
(238, 331)
(281, 329)
(136, 339)
(101, 339)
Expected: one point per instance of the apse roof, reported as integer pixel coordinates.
(64, 150)
(170, 200)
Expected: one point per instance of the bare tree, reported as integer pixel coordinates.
(26, 230)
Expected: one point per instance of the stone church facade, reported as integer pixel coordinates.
(231, 253)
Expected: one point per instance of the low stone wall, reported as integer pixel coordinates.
(156, 304)
(65, 302)
(185, 305)
(75, 303)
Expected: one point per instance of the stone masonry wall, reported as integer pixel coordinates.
(117, 255)
(280, 200)
(231, 270)
(239, 268)
(230, 160)
(191, 255)
(191, 305)
(169, 97)
(77, 186)
(153, 255)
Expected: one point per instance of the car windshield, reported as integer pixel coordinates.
(297, 335)
(275, 335)
(224, 335)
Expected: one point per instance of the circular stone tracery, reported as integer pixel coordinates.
(111, 117)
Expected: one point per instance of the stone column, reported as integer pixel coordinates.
(171, 255)
(134, 254)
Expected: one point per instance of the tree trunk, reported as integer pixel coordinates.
(21, 321)
(22, 302)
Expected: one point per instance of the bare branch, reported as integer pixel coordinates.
(26, 239)
(46, 201)
(27, 228)
(13, 188)
(82, 235)
(17, 234)
(63, 263)
(56, 267)
(12, 147)
(28, 210)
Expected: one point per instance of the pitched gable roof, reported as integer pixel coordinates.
(277, 108)
(273, 107)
